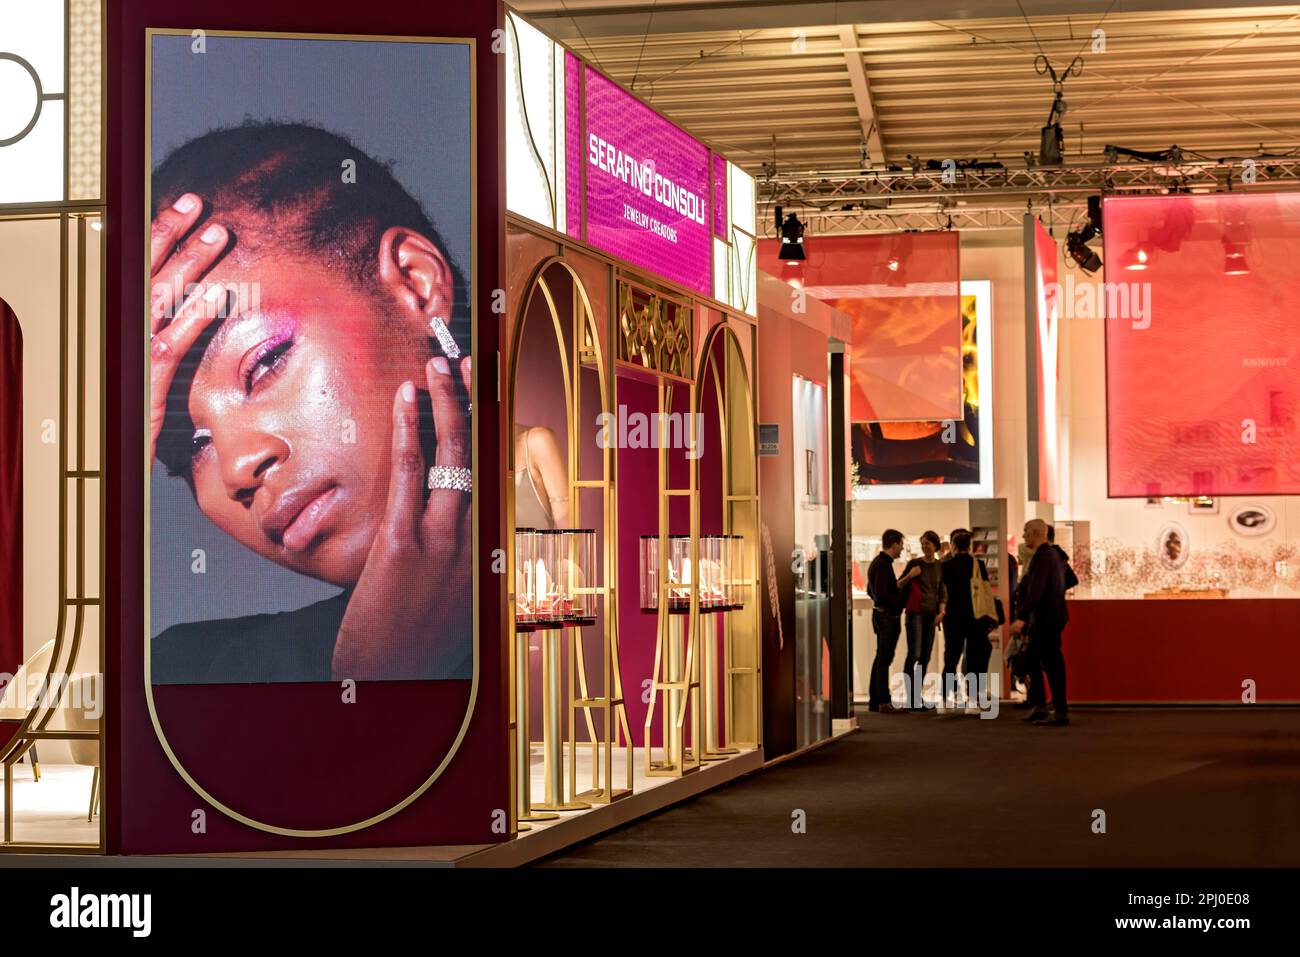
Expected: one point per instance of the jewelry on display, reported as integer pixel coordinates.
(452, 477)
(445, 339)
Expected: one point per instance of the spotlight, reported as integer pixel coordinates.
(1234, 260)
(900, 251)
(96, 225)
(791, 231)
(1076, 244)
(1136, 259)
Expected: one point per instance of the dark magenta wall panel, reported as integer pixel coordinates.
(1158, 651)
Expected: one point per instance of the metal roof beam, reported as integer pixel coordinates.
(862, 95)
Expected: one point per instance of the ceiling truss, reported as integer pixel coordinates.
(866, 201)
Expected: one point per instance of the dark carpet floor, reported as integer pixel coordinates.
(1179, 788)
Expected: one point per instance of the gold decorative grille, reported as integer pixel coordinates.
(654, 332)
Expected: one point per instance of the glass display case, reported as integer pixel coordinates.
(525, 570)
(555, 575)
(721, 561)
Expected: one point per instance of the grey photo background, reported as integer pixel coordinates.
(403, 103)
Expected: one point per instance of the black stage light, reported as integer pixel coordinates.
(1076, 244)
(791, 238)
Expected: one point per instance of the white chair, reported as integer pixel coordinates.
(13, 702)
(80, 710)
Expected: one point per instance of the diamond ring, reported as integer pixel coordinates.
(452, 477)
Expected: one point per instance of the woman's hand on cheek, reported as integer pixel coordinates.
(412, 610)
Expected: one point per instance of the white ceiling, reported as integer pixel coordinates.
(747, 77)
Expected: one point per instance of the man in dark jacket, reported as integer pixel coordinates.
(962, 634)
(1041, 614)
(886, 617)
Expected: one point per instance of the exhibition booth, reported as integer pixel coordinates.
(455, 483)
(1142, 409)
(446, 530)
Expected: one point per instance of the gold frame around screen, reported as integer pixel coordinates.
(471, 43)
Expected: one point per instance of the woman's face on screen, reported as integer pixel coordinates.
(292, 408)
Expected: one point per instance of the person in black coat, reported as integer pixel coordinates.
(961, 633)
(1040, 613)
(886, 617)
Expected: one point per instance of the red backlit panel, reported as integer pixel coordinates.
(903, 294)
(1042, 318)
(1202, 344)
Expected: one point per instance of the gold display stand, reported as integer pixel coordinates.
(525, 810)
(714, 750)
(675, 675)
(552, 724)
(676, 680)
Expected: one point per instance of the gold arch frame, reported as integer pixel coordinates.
(582, 349)
(35, 727)
(741, 629)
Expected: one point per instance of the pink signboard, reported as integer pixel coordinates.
(647, 187)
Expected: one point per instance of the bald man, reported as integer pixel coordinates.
(1041, 615)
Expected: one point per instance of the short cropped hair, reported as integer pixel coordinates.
(961, 540)
(280, 186)
(891, 538)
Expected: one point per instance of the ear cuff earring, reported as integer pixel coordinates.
(445, 339)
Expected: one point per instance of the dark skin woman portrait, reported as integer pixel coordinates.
(306, 371)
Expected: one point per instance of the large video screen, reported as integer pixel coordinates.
(309, 333)
(647, 186)
(902, 293)
(1202, 344)
(944, 458)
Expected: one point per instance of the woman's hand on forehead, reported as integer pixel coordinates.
(181, 252)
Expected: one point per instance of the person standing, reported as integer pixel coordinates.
(960, 630)
(1041, 615)
(927, 578)
(886, 617)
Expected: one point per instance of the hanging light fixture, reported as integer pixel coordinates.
(791, 231)
(1136, 259)
(1234, 260)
